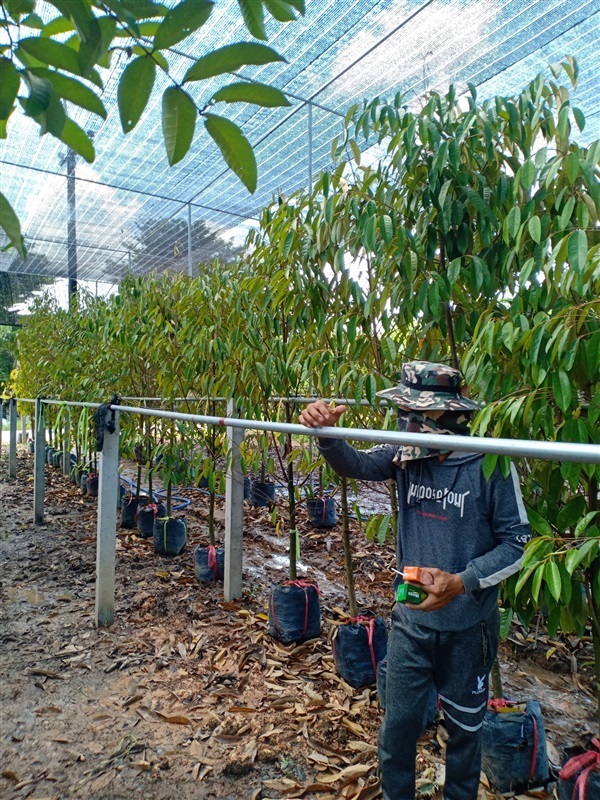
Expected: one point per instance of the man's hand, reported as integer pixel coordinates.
(444, 588)
(321, 415)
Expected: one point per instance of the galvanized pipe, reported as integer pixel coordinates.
(549, 451)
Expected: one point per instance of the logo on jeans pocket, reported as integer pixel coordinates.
(480, 685)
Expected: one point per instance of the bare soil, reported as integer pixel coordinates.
(187, 696)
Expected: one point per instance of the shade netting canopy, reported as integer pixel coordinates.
(131, 212)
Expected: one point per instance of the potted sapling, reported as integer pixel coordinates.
(148, 512)
(170, 533)
(209, 562)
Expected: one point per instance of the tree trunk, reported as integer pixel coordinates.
(347, 548)
(497, 690)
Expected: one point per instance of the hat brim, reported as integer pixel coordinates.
(420, 400)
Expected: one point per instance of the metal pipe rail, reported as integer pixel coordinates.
(549, 451)
(109, 474)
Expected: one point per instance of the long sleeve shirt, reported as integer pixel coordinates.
(450, 517)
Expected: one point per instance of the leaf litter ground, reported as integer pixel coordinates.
(188, 696)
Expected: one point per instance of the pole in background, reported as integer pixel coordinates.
(234, 511)
(71, 225)
(310, 147)
(39, 462)
(12, 439)
(189, 233)
(106, 539)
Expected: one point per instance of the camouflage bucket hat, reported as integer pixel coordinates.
(425, 385)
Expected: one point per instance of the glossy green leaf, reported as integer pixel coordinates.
(539, 523)
(552, 579)
(571, 513)
(178, 123)
(10, 80)
(234, 147)
(72, 90)
(536, 583)
(257, 93)
(280, 10)
(254, 17)
(55, 54)
(229, 59)
(562, 390)
(135, 88)
(9, 222)
(527, 174)
(577, 250)
(78, 140)
(513, 221)
(181, 21)
(535, 229)
(40, 92)
(583, 523)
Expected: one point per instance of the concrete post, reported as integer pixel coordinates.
(39, 462)
(234, 511)
(106, 540)
(12, 439)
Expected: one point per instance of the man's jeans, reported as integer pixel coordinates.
(457, 663)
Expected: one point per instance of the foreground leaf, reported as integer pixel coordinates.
(254, 17)
(10, 81)
(135, 88)
(9, 222)
(235, 148)
(230, 58)
(178, 123)
(78, 140)
(72, 90)
(257, 93)
(181, 21)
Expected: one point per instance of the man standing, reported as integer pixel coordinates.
(467, 534)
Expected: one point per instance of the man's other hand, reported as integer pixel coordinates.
(321, 415)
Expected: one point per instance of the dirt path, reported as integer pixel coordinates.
(187, 696)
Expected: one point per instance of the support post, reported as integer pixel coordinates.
(39, 437)
(106, 539)
(310, 147)
(189, 242)
(24, 428)
(12, 439)
(66, 463)
(71, 226)
(234, 510)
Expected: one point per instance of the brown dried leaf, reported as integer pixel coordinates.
(175, 719)
(348, 773)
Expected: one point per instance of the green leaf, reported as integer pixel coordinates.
(570, 513)
(58, 25)
(489, 465)
(584, 522)
(78, 140)
(230, 58)
(536, 583)
(552, 579)
(235, 148)
(561, 388)
(254, 17)
(135, 88)
(371, 389)
(280, 10)
(577, 250)
(72, 90)
(181, 21)
(178, 123)
(453, 271)
(10, 80)
(513, 221)
(386, 227)
(257, 93)
(579, 118)
(538, 523)
(527, 174)
(40, 91)
(58, 55)
(9, 222)
(535, 229)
